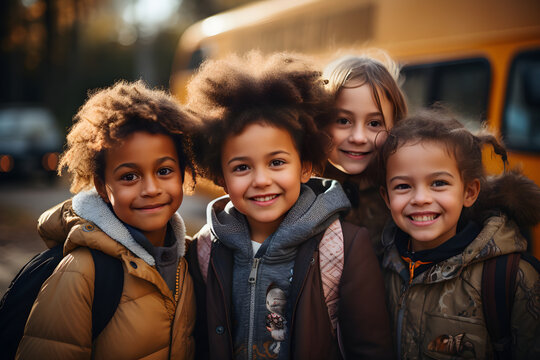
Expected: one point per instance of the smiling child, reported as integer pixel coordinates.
(127, 153)
(255, 263)
(449, 220)
(368, 102)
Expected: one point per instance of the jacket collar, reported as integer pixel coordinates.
(320, 202)
(498, 236)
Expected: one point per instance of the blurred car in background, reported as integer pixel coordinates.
(30, 143)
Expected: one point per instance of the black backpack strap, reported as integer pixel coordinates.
(498, 289)
(528, 257)
(108, 286)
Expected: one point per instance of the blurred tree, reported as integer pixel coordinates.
(53, 51)
(37, 39)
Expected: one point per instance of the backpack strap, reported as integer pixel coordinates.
(331, 259)
(108, 287)
(528, 257)
(498, 289)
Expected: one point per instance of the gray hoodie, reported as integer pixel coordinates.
(261, 282)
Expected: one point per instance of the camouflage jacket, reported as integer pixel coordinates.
(439, 315)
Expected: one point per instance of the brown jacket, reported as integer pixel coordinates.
(149, 323)
(363, 320)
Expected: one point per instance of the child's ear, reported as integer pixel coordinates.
(384, 195)
(221, 182)
(307, 171)
(472, 189)
(100, 187)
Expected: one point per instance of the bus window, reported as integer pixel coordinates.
(462, 86)
(521, 119)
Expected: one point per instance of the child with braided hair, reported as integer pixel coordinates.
(449, 222)
(256, 263)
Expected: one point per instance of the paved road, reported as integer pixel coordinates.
(20, 207)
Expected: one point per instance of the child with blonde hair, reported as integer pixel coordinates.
(368, 102)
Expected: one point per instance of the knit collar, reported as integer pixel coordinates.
(90, 206)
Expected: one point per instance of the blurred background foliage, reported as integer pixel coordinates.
(52, 52)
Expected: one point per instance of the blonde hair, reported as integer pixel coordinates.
(374, 68)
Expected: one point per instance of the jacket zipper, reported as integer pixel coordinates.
(176, 297)
(401, 314)
(252, 281)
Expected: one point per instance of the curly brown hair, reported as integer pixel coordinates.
(109, 116)
(283, 90)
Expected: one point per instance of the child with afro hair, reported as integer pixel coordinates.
(127, 152)
(259, 291)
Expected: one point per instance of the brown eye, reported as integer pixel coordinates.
(242, 167)
(342, 121)
(129, 177)
(277, 162)
(438, 183)
(375, 123)
(164, 171)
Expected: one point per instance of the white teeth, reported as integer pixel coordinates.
(423, 217)
(354, 153)
(265, 198)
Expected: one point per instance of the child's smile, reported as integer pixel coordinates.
(151, 208)
(355, 155)
(425, 193)
(262, 174)
(423, 218)
(265, 200)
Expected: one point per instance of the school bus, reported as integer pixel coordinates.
(480, 58)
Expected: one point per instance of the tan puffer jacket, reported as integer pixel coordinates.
(149, 323)
(440, 315)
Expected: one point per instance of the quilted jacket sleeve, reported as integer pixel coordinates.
(363, 316)
(60, 323)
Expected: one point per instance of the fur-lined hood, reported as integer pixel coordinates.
(511, 194)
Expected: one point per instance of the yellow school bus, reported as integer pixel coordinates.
(479, 57)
